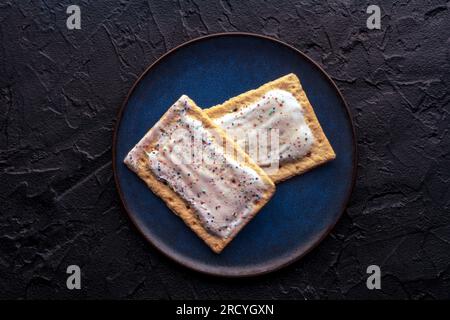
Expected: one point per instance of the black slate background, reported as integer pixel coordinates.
(60, 91)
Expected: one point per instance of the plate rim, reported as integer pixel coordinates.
(220, 271)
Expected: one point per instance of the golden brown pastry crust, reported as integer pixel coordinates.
(138, 164)
(321, 151)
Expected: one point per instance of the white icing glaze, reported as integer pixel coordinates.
(276, 110)
(222, 191)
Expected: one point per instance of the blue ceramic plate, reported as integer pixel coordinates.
(303, 210)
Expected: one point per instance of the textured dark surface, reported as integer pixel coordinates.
(60, 91)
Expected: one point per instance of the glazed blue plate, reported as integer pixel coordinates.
(303, 210)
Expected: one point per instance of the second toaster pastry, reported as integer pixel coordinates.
(277, 126)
